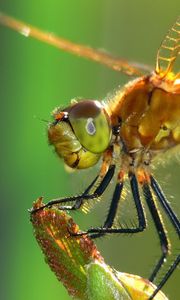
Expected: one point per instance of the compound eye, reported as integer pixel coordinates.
(91, 125)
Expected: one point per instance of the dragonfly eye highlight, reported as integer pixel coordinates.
(91, 125)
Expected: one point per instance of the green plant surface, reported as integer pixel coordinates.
(78, 264)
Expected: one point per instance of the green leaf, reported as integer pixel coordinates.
(103, 284)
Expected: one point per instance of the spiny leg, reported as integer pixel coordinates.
(176, 224)
(159, 227)
(79, 201)
(84, 196)
(140, 213)
(162, 199)
(166, 277)
(97, 193)
(112, 210)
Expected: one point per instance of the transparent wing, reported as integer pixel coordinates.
(129, 68)
(168, 53)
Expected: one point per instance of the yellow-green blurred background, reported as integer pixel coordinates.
(34, 79)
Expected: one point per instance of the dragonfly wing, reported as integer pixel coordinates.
(99, 56)
(168, 53)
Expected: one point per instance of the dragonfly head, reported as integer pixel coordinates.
(80, 133)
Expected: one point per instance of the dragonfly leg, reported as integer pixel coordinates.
(112, 210)
(108, 229)
(162, 199)
(85, 196)
(166, 277)
(155, 214)
(176, 224)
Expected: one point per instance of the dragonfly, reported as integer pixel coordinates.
(139, 123)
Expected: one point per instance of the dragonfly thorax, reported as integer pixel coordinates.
(149, 117)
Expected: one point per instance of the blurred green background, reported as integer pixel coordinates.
(34, 79)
